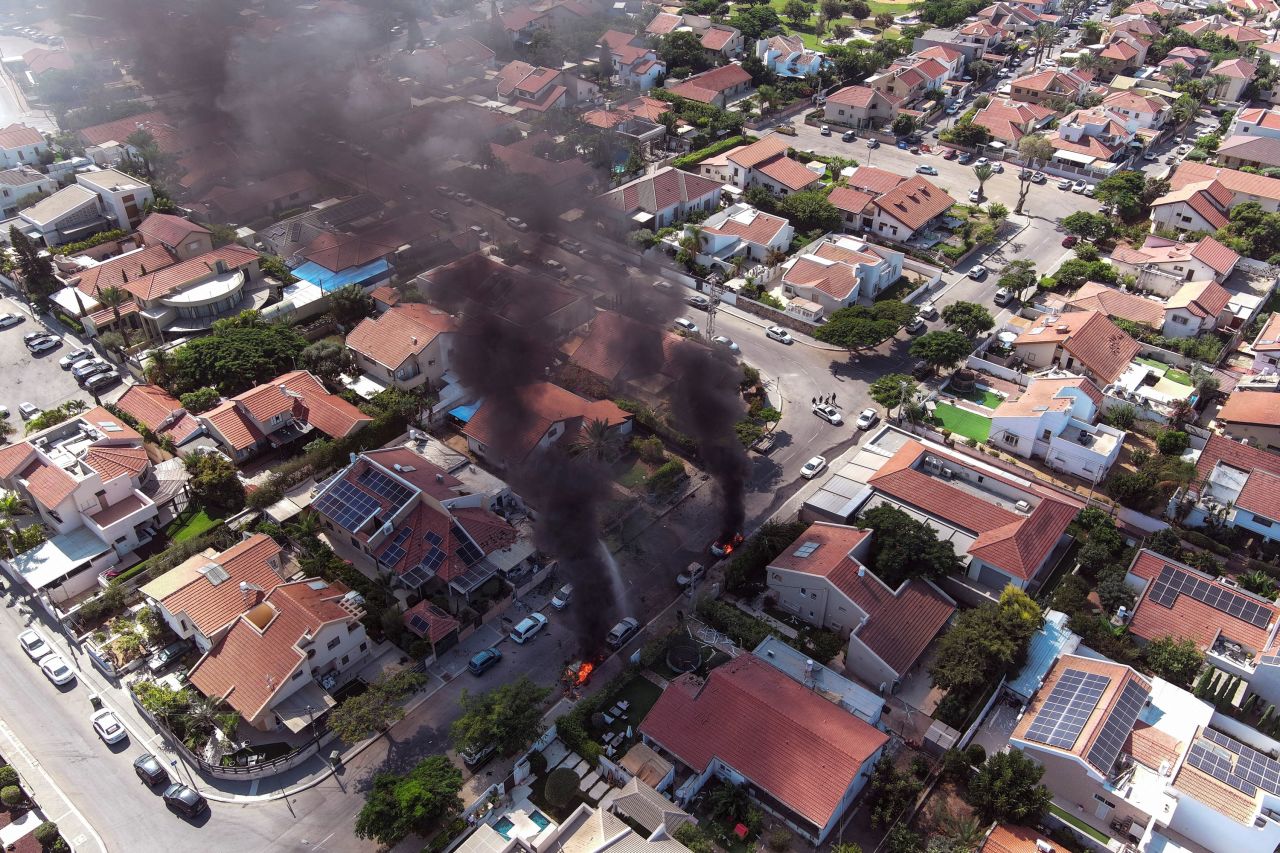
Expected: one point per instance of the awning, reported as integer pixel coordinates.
(1073, 157)
(464, 413)
(300, 708)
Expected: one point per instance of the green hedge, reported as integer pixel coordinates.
(710, 151)
(746, 631)
(157, 565)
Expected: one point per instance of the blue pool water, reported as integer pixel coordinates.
(540, 819)
(504, 827)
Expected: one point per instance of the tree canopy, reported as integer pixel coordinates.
(681, 50)
(1091, 226)
(1007, 788)
(240, 353)
(858, 326)
(1176, 661)
(968, 317)
(810, 211)
(399, 805)
(1018, 275)
(941, 349)
(214, 482)
(507, 716)
(888, 390)
(904, 548)
(754, 21)
(985, 643)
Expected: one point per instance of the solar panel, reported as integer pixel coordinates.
(466, 550)
(395, 552)
(1174, 582)
(1064, 713)
(1208, 760)
(806, 549)
(433, 537)
(379, 483)
(1118, 726)
(417, 623)
(347, 506)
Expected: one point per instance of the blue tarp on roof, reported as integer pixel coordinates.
(329, 281)
(464, 413)
(1051, 641)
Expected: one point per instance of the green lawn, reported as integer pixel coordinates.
(1173, 374)
(633, 476)
(813, 42)
(642, 694)
(192, 522)
(963, 422)
(1079, 824)
(982, 396)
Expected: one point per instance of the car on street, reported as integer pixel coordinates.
(779, 334)
(150, 770)
(690, 575)
(828, 413)
(39, 345)
(867, 419)
(476, 755)
(1151, 156)
(517, 223)
(1088, 190)
(78, 354)
(926, 170)
(34, 644)
(442, 215)
(571, 245)
(526, 629)
(928, 310)
(848, 136)
(1069, 241)
(28, 410)
(998, 168)
(479, 231)
(977, 272)
(56, 670)
(825, 131)
(562, 597)
(31, 337)
(965, 158)
(982, 161)
(483, 661)
(555, 267)
(1065, 184)
(185, 800)
(974, 195)
(949, 154)
(1078, 187)
(915, 325)
(93, 366)
(684, 324)
(101, 381)
(873, 143)
(1002, 296)
(161, 660)
(1039, 178)
(726, 343)
(7, 320)
(921, 369)
(813, 467)
(664, 286)
(108, 726)
(697, 300)
(623, 631)
(464, 198)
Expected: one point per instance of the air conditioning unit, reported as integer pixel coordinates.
(1022, 506)
(947, 473)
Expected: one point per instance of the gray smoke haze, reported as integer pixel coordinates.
(276, 92)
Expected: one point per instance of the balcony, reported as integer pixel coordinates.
(122, 517)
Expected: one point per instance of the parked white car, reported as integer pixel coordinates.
(34, 644)
(562, 597)
(867, 419)
(779, 334)
(813, 467)
(828, 414)
(56, 670)
(108, 726)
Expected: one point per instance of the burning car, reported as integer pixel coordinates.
(724, 548)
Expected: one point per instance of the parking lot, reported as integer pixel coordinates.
(37, 378)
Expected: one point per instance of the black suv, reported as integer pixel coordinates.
(150, 770)
(185, 800)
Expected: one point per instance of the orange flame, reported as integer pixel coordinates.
(584, 671)
(726, 548)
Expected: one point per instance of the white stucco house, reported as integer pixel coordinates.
(1055, 419)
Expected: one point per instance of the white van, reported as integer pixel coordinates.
(527, 628)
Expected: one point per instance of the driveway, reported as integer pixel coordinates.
(37, 378)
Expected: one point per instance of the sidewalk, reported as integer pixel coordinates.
(53, 804)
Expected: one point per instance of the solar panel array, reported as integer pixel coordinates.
(1252, 769)
(430, 563)
(1174, 582)
(347, 505)
(417, 623)
(1064, 713)
(806, 549)
(466, 550)
(379, 483)
(1118, 726)
(396, 550)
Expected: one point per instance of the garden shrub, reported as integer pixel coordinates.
(560, 786)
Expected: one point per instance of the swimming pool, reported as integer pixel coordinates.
(506, 825)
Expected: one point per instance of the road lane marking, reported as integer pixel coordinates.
(35, 765)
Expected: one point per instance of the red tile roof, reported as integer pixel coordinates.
(428, 477)
(798, 747)
(1188, 618)
(900, 623)
(439, 623)
(149, 405)
(168, 230)
(111, 462)
(1114, 302)
(1239, 456)
(706, 86)
(1240, 183)
(759, 228)
(1268, 340)
(543, 405)
(1219, 796)
(662, 189)
(1088, 336)
(338, 252)
(14, 458)
(399, 332)
(1219, 258)
(716, 37)
(874, 180)
(1014, 543)
(760, 151)
(1009, 838)
(1008, 120)
(1261, 495)
(849, 199)
(249, 665)
(836, 280)
(789, 173)
(664, 23)
(858, 97)
(1152, 747)
(489, 533)
(49, 485)
(107, 316)
(914, 202)
(210, 606)
(235, 427)
(610, 347)
(1119, 677)
(122, 269)
(18, 135)
(156, 285)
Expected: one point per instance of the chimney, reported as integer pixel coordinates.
(439, 478)
(415, 340)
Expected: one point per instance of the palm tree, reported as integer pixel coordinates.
(997, 212)
(1087, 61)
(598, 442)
(11, 507)
(982, 172)
(774, 257)
(966, 833)
(159, 367)
(113, 298)
(1042, 37)
(769, 96)
(303, 529)
(202, 715)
